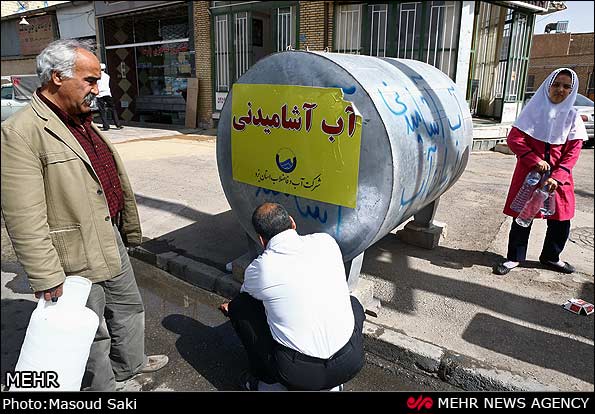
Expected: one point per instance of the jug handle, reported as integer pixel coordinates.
(42, 303)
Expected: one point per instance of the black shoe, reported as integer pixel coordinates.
(500, 269)
(567, 268)
(119, 127)
(248, 382)
(105, 129)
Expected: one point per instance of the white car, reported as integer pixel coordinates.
(15, 98)
(585, 108)
(10, 105)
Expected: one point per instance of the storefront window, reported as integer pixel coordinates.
(163, 71)
(150, 59)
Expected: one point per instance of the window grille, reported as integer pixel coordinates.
(518, 56)
(222, 53)
(442, 38)
(378, 14)
(348, 31)
(408, 30)
(503, 57)
(241, 43)
(285, 29)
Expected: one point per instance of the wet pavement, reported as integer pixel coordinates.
(205, 354)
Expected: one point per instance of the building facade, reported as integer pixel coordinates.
(482, 46)
(148, 48)
(554, 50)
(174, 62)
(28, 27)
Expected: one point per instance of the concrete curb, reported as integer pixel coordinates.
(385, 343)
(461, 371)
(191, 271)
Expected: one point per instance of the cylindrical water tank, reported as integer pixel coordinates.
(415, 142)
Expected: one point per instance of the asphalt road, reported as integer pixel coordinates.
(183, 322)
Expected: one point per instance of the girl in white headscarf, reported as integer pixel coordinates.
(546, 137)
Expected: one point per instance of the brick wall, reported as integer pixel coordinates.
(551, 51)
(202, 46)
(18, 66)
(315, 16)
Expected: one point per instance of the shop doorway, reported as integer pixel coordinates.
(148, 58)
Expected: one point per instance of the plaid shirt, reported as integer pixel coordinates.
(98, 152)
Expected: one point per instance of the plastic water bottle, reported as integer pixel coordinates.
(526, 190)
(549, 205)
(59, 337)
(532, 207)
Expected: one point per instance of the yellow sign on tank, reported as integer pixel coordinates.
(296, 140)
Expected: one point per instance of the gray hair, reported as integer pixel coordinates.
(59, 56)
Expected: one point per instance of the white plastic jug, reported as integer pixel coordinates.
(59, 337)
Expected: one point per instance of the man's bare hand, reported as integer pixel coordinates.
(224, 308)
(51, 294)
(542, 166)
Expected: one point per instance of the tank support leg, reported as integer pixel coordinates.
(238, 266)
(423, 230)
(353, 269)
(425, 216)
(362, 289)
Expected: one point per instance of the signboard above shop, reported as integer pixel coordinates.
(36, 35)
(526, 6)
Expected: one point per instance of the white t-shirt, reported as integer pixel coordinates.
(301, 282)
(103, 85)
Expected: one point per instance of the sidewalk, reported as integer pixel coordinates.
(443, 311)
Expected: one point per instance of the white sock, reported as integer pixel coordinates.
(510, 265)
(559, 263)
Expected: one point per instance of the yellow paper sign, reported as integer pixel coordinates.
(297, 140)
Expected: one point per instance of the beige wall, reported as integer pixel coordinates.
(18, 66)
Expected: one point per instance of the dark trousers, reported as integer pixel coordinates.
(555, 240)
(105, 104)
(272, 362)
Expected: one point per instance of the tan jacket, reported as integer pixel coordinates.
(55, 211)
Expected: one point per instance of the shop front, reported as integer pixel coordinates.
(150, 58)
(500, 56)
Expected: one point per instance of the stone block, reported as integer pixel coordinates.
(202, 275)
(143, 254)
(227, 287)
(239, 265)
(426, 237)
(162, 260)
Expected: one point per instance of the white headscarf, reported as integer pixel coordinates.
(549, 122)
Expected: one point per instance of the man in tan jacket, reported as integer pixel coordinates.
(69, 209)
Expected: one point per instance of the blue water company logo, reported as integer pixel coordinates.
(286, 160)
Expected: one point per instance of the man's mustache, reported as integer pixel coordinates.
(90, 98)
